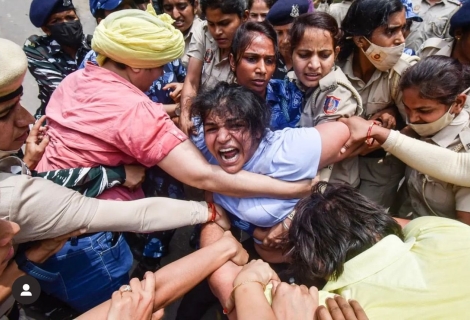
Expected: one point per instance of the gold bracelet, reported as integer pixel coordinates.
(249, 281)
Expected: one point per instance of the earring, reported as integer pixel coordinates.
(457, 38)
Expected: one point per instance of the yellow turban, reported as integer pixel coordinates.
(138, 39)
(13, 66)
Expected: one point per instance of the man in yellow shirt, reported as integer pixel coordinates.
(420, 273)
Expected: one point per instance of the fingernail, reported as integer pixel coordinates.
(83, 230)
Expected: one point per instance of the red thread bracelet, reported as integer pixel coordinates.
(369, 140)
(212, 210)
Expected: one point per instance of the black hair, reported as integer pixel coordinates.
(226, 6)
(333, 225)
(160, 4)
(233, 100)
(363, 17)
(245, 34)
(269, 3)
(438, 78)
(316, 19)
(101, 13)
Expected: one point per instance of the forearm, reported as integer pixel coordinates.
(7, 278)
(251, 303)
(43, 216)
(213, 178)
(151, 214)
(170, 109)
(221, 281)
(177, 278)
(189, 91)
(441, 163)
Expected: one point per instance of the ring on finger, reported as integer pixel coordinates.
(125, 288)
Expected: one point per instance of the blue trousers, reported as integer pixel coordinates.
(86, 272)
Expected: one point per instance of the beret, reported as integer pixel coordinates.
(103, 4)
(461, 18)
(13, 66)
(410, 14)
(285, 11)
(41, 10)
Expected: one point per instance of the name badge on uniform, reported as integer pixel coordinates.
(416, 8)
(331, 105)
(208, 56)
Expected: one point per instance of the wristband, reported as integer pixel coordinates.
(369, 140)
(212, 210)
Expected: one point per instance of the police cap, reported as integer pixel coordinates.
(461, 18)
(285, 11)
(41, 10)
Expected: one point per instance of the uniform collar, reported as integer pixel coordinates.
(383, 254)
(447, 49)
(196, 25)
(349, 72)
(446, 136)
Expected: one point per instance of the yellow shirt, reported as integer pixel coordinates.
(423, 277)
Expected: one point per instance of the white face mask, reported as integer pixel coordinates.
(429, 129)
(383, 58)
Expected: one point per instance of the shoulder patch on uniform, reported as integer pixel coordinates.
(208, 55)
(331, 105)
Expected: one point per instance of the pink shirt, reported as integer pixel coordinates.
(96, 117)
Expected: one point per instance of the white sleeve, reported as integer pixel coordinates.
(440, 163)
(46, 210)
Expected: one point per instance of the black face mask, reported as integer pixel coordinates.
(68, 34)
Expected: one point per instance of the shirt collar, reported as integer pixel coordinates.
(372, 261)
(446, 136)
(349, 72)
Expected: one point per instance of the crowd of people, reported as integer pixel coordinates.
(320, 150)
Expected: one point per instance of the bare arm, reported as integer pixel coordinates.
(221, 281)
(190, 89)
(333, 137)
(208, 177)
(177, 278)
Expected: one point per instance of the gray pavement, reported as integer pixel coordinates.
(15, 26)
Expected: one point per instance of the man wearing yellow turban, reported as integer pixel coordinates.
(100, 115)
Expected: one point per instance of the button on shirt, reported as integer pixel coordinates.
(436, 21)
(204, 48)
(290, 155)
(423, 277)
(49, 65)
(114, 125)
(430, 196)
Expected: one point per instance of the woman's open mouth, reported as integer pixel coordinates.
(229, 155)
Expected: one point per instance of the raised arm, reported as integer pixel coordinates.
(190, 89)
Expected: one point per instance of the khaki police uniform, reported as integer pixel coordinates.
(436, 46)
(380, 173)
(204, 48)
(334, 97)
(436, 21)
(339, 10)
(430, 196)
(197, 25)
